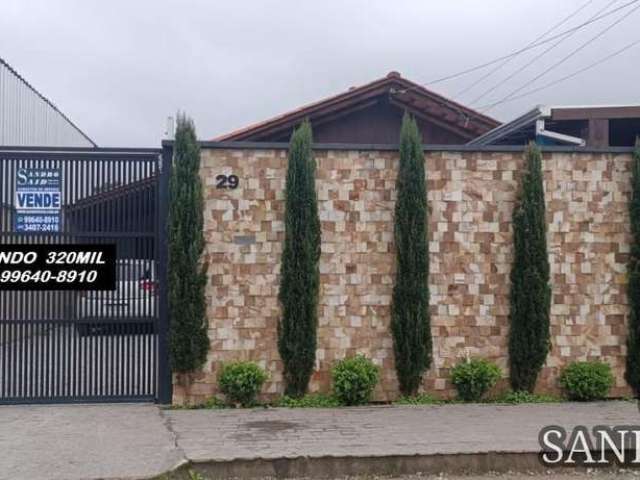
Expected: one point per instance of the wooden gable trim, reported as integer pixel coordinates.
(453, 117)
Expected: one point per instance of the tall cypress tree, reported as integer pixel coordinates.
(189, 342)
(410, 323)
(530, 296)
(300, 276)
(632, 373)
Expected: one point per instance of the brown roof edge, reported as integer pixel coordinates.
(392, 79)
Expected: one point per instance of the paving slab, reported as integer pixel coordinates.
(72, 442)
(223, 435)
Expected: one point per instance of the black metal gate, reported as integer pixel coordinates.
(90, 346)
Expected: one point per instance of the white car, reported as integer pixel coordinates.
(130, 308)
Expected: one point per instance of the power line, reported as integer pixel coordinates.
(539, 37)
(569, 55)
(524, 49)
(536, 58)
(562, 79)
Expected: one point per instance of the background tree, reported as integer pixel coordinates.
(300, 276)
(189, 342)
(530, 296)
(410, 323)
(632, 373)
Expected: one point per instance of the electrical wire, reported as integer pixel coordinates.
(519, 51)
(538, 38)
(569, 55)
(535, 59)
(562, 79)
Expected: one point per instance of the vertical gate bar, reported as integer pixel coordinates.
(66, 354)
(120, 358)
(32, 370)
(152, 205)
(66, 181)
(164, 387)
(63, 365)
(88, 221)
(76, 330)
(104, 333)
(99, 361)
(156, 226)
(42, 301)
(33, 311)
(13, 295)
(86, 338)
(74, 358)
(36, 310)
(127, 366)
(4, 388)
(4, 346)
(15, 341)
(24, 342)
(41, 391)
(15, 380)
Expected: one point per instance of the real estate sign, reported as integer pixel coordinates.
(38, 200)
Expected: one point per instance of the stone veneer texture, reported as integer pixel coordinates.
(471, 199)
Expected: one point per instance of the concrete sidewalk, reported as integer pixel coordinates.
(142, 441)
(84, 442)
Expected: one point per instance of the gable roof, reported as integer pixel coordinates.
(407, 95)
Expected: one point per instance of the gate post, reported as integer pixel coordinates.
(165, 384)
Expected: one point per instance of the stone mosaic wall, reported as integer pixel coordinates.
(471, 198)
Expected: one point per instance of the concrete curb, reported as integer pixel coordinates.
(338, 467)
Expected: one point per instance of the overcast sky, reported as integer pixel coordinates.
(119, 68)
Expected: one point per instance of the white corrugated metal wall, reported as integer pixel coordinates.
(27, 118)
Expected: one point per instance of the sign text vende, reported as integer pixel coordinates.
(38, 200)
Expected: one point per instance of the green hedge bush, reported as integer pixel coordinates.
(354, 380)
(584, 381)
(241, 382)
(474, 378)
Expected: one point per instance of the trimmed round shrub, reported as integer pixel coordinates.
(473, 378)
(584, 381)
(354, 380)
(241, 382)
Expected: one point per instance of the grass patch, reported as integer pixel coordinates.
(315, 400)
(320, 400)
(212, 403)
(512, 398)
(517, 398)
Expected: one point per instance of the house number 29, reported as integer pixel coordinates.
(227, 181)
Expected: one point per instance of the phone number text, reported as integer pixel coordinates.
(47, 276)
